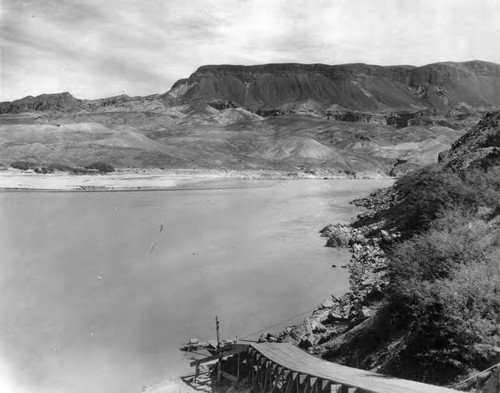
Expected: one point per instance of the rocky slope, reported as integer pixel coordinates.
(328, 120)
(359, 329)
(477, 148)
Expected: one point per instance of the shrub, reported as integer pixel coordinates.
(454, 239)
(456, 330)
(101, 167)
(23, 165)
(422, 195)
(444, 286)
(59, 167)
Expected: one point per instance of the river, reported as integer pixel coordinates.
(99, 289)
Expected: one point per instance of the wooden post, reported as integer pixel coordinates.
(267, 372)
(196, 372)
(287, 375)
(238, 368)
(217, 331)
(306, 384)
(293, 383)
(219, 371)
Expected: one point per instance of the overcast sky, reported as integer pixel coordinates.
(99, 48)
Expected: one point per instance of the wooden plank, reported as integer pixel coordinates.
(297, 360)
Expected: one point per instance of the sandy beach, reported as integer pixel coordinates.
(117, 181)
(137, 179)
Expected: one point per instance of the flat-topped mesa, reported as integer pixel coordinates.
(358, 87)
(288, 69)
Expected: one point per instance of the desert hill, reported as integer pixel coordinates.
(332, 120)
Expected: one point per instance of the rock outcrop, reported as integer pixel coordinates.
(478, 147)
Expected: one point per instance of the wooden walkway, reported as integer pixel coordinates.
(286, 368)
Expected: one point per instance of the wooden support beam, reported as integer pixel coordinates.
(313, 384)
(290, 386)
(288, 381)
(305, 385)
(215, 357)
(281, 377)
(336, 388)
(275, 378)
(317, 386)
(268, 371)
(219, 371)
(238, 360)
(196, 372)
(326, 386)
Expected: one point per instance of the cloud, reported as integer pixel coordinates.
(97, 48)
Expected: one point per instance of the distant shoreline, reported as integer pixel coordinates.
(127, 180)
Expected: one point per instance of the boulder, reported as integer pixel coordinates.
(339, 235)
(317, 327)
(365, 312)
(307, 341)
(327, 303)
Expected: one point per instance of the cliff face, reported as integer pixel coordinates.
(359, 87)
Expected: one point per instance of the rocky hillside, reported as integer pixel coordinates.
(324, 120)
(424, 274)
(66, 103)
(477, 148)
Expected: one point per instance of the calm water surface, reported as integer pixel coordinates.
(98, 290)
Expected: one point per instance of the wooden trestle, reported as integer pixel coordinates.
(284, 368)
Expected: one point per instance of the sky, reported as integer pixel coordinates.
(102, 48)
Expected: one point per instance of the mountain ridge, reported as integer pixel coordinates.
(361, 87)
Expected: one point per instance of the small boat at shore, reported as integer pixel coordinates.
(211, 346)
